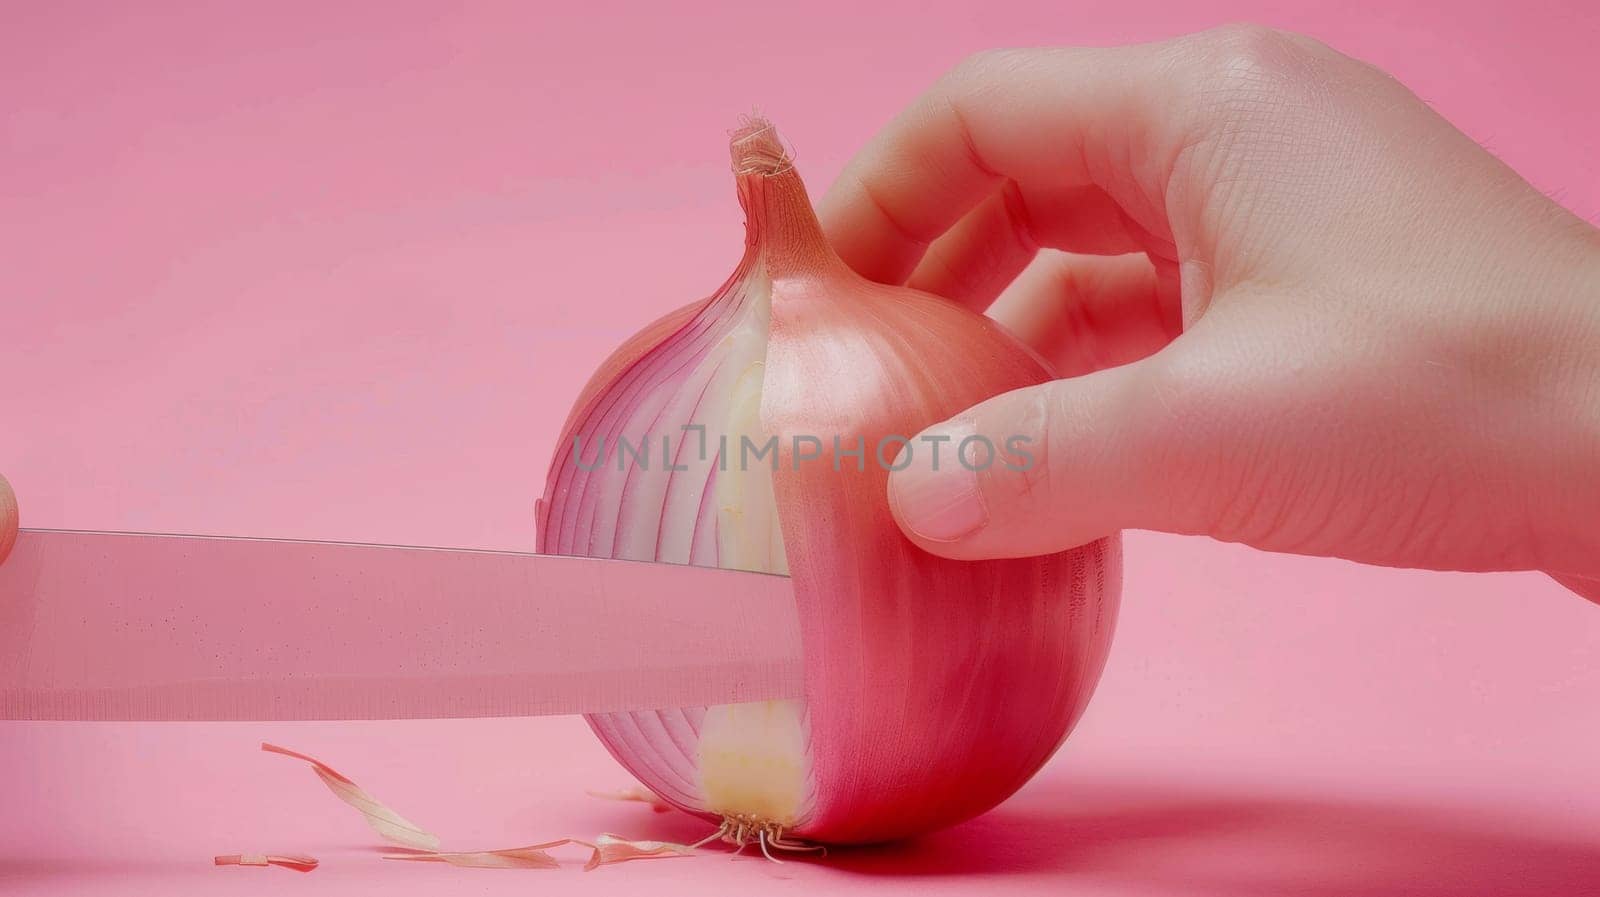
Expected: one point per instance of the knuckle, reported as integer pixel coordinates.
(1248, 41)
(1239, 64)
(1022, 475)
(971, 69)
(982, 71)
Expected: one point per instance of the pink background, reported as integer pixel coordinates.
(337, 272)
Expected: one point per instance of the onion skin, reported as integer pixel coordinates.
(934, 688)
(8, 519)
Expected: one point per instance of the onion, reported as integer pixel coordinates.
(8, 519)
(934, 688)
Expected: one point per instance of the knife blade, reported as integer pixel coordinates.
(136, 626)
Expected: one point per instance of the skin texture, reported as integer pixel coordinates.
(1292, 307)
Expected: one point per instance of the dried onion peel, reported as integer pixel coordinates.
(420, 846)
(294, 861)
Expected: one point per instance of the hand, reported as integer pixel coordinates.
(8, 519)
(1301, 311)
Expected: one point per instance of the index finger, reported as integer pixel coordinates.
(1048, 118)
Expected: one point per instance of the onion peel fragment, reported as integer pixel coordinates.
(297, 862)
(389, 825)
(422, 846)
(610, 849)
(533, 856)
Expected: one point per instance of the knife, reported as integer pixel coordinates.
(138, 626)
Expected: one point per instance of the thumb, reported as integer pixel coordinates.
(1069, 462)
(8, 519)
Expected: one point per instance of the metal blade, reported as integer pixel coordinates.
(129, 626)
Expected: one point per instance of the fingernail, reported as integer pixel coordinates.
(937, 497)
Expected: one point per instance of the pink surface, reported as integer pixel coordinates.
(338, 273)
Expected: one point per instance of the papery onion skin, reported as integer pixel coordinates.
(934, 688)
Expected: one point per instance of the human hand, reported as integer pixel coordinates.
(1303, 311)
(8, 519)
